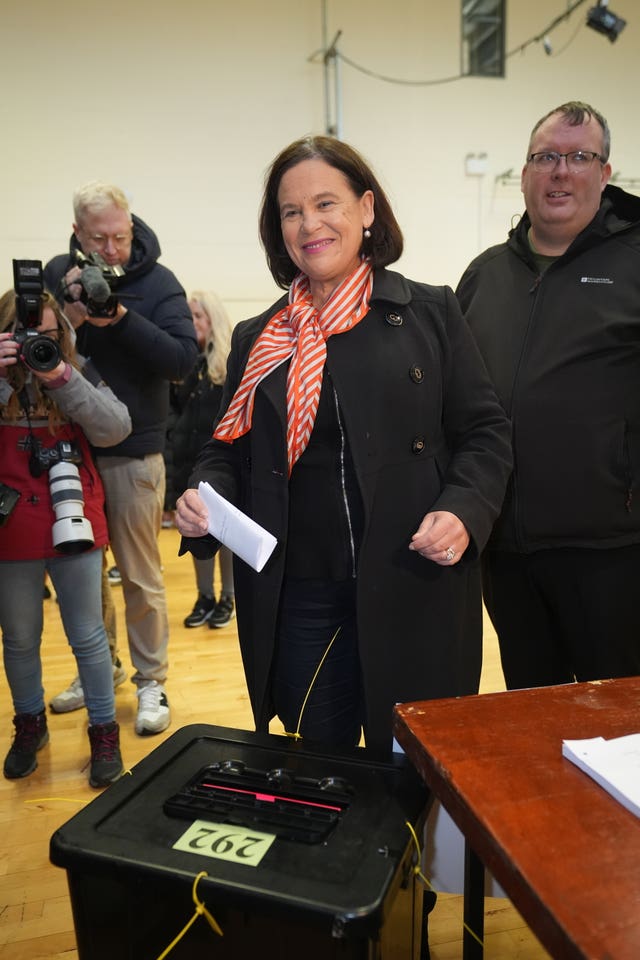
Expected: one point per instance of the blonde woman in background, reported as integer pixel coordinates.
(195, 404)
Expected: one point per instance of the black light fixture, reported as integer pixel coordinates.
(601, 19)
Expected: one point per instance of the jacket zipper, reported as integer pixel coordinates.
(343, 485)
(534, 290)
(629, 469)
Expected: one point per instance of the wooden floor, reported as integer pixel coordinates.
(206, 685)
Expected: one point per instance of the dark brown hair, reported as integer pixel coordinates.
(383, 247)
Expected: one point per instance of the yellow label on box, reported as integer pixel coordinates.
(222, 841)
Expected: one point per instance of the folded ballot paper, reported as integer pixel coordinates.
(244, 537)
(614, 764)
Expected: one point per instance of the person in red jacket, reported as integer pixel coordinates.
(53, 523)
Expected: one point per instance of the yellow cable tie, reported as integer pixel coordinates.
(199, 911)
(474, 935)
(324, 656)
(416, 870)
(418, 873)
(200, 905)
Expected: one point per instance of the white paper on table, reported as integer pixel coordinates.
(244, 537)
(614, 764)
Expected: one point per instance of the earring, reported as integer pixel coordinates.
(367, 233)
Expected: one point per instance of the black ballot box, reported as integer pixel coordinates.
(306, 854)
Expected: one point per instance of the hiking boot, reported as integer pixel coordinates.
(153, 709)
(73, 697)
(106, 762)
(31, 736)
(223, 613)
(202, 610)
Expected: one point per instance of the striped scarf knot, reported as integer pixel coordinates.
(299, 331)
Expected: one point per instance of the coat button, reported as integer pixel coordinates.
(418, 445)
(416, 374)
(394, 319)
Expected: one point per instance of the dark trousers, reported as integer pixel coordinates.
(319, 698)
(564, 615)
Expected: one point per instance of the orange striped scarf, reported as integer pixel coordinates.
(298, 331)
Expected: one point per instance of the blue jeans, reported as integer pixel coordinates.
(77, 582)
(311, 612)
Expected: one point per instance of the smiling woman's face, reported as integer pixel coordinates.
(322, 224)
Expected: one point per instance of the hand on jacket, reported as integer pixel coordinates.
(441, 537)
(191, 516)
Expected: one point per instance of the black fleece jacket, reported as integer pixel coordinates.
(563, 349)
(153, 344)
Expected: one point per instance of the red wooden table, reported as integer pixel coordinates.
(566, 853)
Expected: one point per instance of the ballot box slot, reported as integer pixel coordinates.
(275, 800)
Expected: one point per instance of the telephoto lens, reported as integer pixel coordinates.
(72, 532)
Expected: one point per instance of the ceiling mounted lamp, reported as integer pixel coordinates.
(601, 19)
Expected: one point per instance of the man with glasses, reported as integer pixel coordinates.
(139, 344)
(556, 313)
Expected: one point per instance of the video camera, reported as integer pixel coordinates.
(97, 280)
(37, 351)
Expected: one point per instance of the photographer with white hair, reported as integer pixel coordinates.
(142, 341)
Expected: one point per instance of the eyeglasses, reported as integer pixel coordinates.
(577, 160)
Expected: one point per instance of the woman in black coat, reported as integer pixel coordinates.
(358, 425)
(194, 405)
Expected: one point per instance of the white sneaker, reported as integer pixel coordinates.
(153, 709)
(73, 697)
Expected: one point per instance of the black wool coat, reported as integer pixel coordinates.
(426, 432)
(194, 405)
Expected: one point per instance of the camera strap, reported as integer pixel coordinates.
(32, 441)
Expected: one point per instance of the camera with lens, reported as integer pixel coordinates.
(72, 532)
(98, 279)
(38, 351)
(43, 458)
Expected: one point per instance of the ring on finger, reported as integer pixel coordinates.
(449, 554)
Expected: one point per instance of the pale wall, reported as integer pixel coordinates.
(185, 104)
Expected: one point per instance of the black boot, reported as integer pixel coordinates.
(31, 736)
(106, 761)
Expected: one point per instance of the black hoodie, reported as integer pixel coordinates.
(153, 344)
(563, 349)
